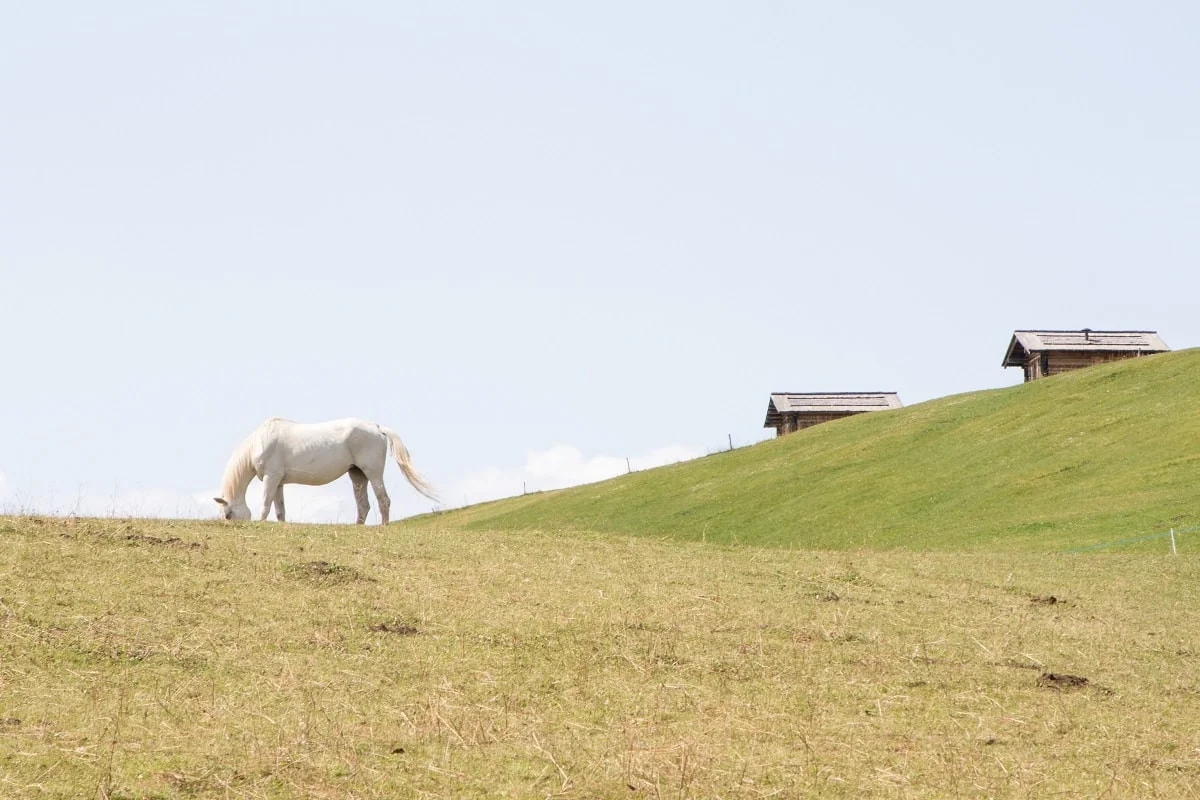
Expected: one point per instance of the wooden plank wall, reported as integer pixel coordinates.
(1055, 362)
(1067, 360)
(797, 422)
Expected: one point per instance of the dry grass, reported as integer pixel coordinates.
(195, 660)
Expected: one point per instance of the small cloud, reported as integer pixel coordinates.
(559, 467)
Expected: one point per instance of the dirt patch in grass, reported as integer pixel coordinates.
(325, 571)
(397, 627)
(172, 541)
(1060, 681)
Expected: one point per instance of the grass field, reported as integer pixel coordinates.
(201, 660)
(1076, 460)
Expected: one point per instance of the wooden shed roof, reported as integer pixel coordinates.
(1025, 342)
(827, 403)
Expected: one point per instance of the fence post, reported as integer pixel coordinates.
(628, 469)
(1173, 543)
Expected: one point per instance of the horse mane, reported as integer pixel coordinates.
(238, 471)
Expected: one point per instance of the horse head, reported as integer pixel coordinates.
(233, 511)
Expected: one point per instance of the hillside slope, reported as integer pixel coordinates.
(1078, 459)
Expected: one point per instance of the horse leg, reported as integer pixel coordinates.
(360, 493)
(271, 486)
(385, 502)
(279, 504)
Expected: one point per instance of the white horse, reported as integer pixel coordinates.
(280, 451)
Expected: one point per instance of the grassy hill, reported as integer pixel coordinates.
(1075, 460)
(461, 656)
(183, 659)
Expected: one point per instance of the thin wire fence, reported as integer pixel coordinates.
(1172, 533)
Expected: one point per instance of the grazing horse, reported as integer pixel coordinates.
(280, 451)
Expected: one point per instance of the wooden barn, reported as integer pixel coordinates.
(1045, 353)
(792, 411)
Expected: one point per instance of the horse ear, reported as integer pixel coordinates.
(221, 500)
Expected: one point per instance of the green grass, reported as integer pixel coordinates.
(1079, 459)
(202, 660)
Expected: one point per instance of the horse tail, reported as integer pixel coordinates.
(405, 462)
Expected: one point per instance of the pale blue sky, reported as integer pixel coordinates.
(502, 228)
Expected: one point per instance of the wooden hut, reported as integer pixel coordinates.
(792, 411)
(1045, 353)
